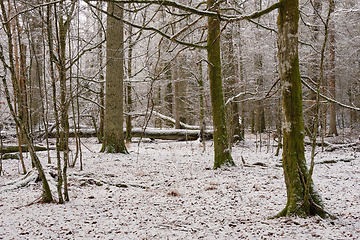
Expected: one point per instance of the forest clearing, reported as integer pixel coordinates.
(103, 103)
(168, 190)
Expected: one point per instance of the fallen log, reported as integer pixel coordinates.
(24, 148)
(319, 144)
(333, 147)
(170, 134)
(336, 161)
(165, 134)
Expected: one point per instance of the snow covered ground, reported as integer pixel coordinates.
(172, 193)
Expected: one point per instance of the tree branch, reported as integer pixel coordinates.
(192, 45)
(325, 97)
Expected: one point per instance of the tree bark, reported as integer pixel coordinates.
(128, 84)
(229, 73)
(113, 135)
(221, 142)
(294, 162)
(332, 42)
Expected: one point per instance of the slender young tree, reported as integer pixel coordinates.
(332, 77)
(128, 84)
(113, 141)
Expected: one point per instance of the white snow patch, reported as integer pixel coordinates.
(286, 126)
(172, 193)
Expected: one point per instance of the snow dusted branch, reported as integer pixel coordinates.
(193, 10)
(237, 96)
(153, 29)
(325, 97)
(31, 9)
(170, 119)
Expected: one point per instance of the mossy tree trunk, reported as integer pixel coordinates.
(113, 141)
(221, 142)
(294, 162)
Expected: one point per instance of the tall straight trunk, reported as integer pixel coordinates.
(332, 78)
(242, 85)
(50, 39)
(202, 104)
(229, 73)
(314, 69)
(114, 134)
(294, 162)
(259, 120)
(36, 69)
(180, 86)
(64, 101)
(101, 75)
(17, 98)
(129, 87)
(23, 110)
(221, 142)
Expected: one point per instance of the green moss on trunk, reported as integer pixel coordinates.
(294, 162)
(221, 143)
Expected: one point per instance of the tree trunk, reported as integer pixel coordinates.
(221, 142)
(128, 84)
(113, 135)
(101, 75)
(229, 73)
(259, 105)
(36, 69)
(64, 99)
(332, 109)
(294, 162)
(54, 99)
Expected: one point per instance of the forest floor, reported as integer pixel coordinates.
(168, 190)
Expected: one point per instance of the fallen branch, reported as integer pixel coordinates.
(31, 178)
(336, 161)
(87, 180)
(319, 144)
(333, 147)
(11, 149)
(172, 120)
